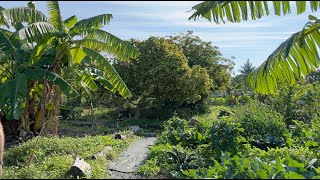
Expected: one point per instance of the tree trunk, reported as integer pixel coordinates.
(43, 104)
(25, 116)
(55, 98)
(52, 118)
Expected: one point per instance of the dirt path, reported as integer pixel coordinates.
(129, 161)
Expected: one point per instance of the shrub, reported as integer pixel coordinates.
(254, 163)
(302, 134)
(177, 131)
(225, 136)
(263, 126)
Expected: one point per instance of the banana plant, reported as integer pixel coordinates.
(51, 46)
(182, 159)
(295, 58)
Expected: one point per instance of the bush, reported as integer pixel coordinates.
(302, 134)
(238, 167)
(297, 102)
(177, 131)
(225, 136)
(263, 126)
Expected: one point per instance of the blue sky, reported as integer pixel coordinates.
(253, 40)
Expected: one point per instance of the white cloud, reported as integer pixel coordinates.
(228, 24)
(180, 18)
(245, 37)
(174, 4)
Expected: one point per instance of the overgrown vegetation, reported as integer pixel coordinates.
(61, 97)
(254, 142)
(44, 157)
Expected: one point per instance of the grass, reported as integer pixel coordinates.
(52, 157)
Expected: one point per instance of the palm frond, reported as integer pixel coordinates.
(293, 59)
(88, 80)
(35, 32)
(70, 21)
(94, 22)
(77, 54)
(55, 15)
(24, 14)
(101, 47)
(3, 20)
(235, 11)
(117, 44)
(110, 73)
(40, 48)
(99, 76)
(35, 73)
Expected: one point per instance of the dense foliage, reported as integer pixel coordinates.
(253, 142)
(37, 54)
(172, 74)
(206, 55)
(216, 126)
(161, 76)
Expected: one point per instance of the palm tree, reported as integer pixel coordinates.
(54, 47)
(246, 69)
(293, 59)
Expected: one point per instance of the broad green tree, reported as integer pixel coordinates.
(206, 55)
(293, 59)
(161, 75)
(36, 56)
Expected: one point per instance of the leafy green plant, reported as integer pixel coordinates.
(40, 51)
(302, 134)
(157, 164)
(177, 131)
(238, 167)
(182, 159)
(225, 136)
(297, 102)
(262, 126)
(174, 130)
(150, 169)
